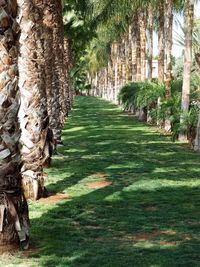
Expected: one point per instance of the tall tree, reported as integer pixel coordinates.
(58, 113)
(138, 48)
(168, 52)
(161, 42)
(13, 206)
(150, 42)
(67, 81)
(134, 34)
(143, 41)
(188, 29)
(33, 115)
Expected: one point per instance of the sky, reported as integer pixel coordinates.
(177, 50)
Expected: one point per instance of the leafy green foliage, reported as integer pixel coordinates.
(169, 109)
(148, 94)
(135, 96)
(127, 95)
(140, 95)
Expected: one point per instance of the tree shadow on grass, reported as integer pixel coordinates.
(148, 215)
(115, 227)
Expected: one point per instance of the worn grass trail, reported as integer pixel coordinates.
(131, 197)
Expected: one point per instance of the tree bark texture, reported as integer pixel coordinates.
(33, 115)
(168, 53)
(67, 70)
(161, 42)
(14, 222)
(168, 45)
(188, 29)
(150, 43)
(138, 51)
(143, 42)
(134, 34)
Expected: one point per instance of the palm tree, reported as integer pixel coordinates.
(168, 52)
(150, 42)
(138, 49)
(67, 82)
(189, 17)
(59, 46)
(134, 33)
(33, 115)
(58, 113)
(161, 43)
(13, 206)
(143, 41)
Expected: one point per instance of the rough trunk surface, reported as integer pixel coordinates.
(33, 114)
(168, 53)
(150, 43)
(168, 45)
(189, 17)
(67, 70)
(14, 221)
(143, 42)
(161, 44)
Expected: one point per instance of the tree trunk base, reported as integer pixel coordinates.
(34, 189)
(14, 220)
(182, 137)
(167, 126)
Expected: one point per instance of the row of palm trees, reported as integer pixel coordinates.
(35, 94)
(131, 55)
(35, 99)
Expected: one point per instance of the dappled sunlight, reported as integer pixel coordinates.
(75, 129)
(133, 196)
(148, 185)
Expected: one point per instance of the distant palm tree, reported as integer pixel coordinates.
(188, 29)
(150, 42)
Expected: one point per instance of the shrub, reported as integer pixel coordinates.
(140, 95)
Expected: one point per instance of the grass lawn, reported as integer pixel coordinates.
(126, 197)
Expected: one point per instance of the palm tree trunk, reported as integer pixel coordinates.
(130, 46)
(134, 34)
(116, 74)
(197, 139)
(143, 41)
(49, 66)
(168, 45)
(57, 118)
(150, 43)
(33, 116)
(115, 70)
(161, 50)
(127, 62)
(189, 17)
(123, 61)
(60, 58)
(161, 43)
(70, 65)
(138, 52)
(168, 52)
(13, 206)
(67, 69)
(113, 61)
(109, 80)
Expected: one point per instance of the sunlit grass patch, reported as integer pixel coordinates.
(133, 197)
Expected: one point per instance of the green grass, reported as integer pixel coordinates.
(148, 216)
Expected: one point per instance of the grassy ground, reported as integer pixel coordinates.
(131, 197)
